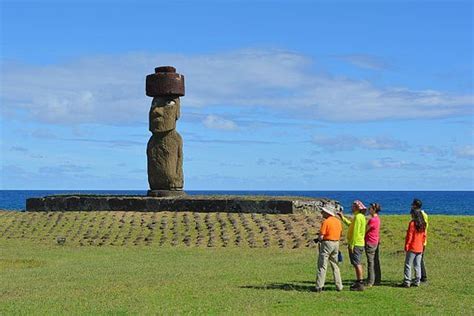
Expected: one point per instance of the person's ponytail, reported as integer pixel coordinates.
(420, 224)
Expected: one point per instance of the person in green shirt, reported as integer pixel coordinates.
(356, 241)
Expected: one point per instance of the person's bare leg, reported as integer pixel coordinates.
(359, 272)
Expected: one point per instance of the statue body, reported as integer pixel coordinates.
(165, 161)
(165, 147)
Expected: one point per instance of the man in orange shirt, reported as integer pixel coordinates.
(329, 236)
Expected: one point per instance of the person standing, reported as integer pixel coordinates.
(414, 240)
(329, 236)
(356, 241)
(372, 243)
(416, 205)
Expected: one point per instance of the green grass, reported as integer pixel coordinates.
(126, 274)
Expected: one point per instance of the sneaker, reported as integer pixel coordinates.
(416, 284)
(424, 280)
(405, 285)
(318, 290)
(339, 289)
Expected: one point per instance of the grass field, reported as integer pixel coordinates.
(168, 263)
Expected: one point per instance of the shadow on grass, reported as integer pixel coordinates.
(349, 283)
(309, 286)
(281, 286)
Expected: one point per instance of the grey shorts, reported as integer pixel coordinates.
(356, 255)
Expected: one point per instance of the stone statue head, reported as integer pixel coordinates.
(164, 112)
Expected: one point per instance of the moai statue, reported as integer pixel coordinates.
(165, 147)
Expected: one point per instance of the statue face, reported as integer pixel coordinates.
(164, 112)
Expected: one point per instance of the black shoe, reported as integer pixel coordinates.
(358, 286)
(424, 280)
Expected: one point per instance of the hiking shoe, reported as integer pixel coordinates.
(358, 286)
(358, 282)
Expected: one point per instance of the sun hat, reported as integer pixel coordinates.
(359, 205)
(329, 210)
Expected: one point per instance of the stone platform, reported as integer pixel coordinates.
(188, 203)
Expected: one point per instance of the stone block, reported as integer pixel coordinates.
(228, 204)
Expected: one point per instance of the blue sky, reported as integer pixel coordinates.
(283, 95)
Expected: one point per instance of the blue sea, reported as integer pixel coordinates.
(393, 202)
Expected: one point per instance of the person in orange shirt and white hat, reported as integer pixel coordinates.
(329, 236)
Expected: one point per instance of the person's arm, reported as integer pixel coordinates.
(370, 226)
(409, 235)
(323, 230)
(425, 217)
(344, 219)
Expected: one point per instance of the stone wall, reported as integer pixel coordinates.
(230, 204)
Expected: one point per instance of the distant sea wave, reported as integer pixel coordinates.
(393, 202)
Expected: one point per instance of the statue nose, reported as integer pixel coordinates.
(158, 111)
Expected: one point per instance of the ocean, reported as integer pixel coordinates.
(393, 202)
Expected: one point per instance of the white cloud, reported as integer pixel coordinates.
(110, 89)
(64, 168)
(466, 151)
(390, 163)
(348, 142)
(217, 122)
(365, 61)
(19, 148)
(430, 150)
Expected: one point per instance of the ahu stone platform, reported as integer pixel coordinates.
(188, 203)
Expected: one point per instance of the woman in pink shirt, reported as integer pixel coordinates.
(372, 241)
